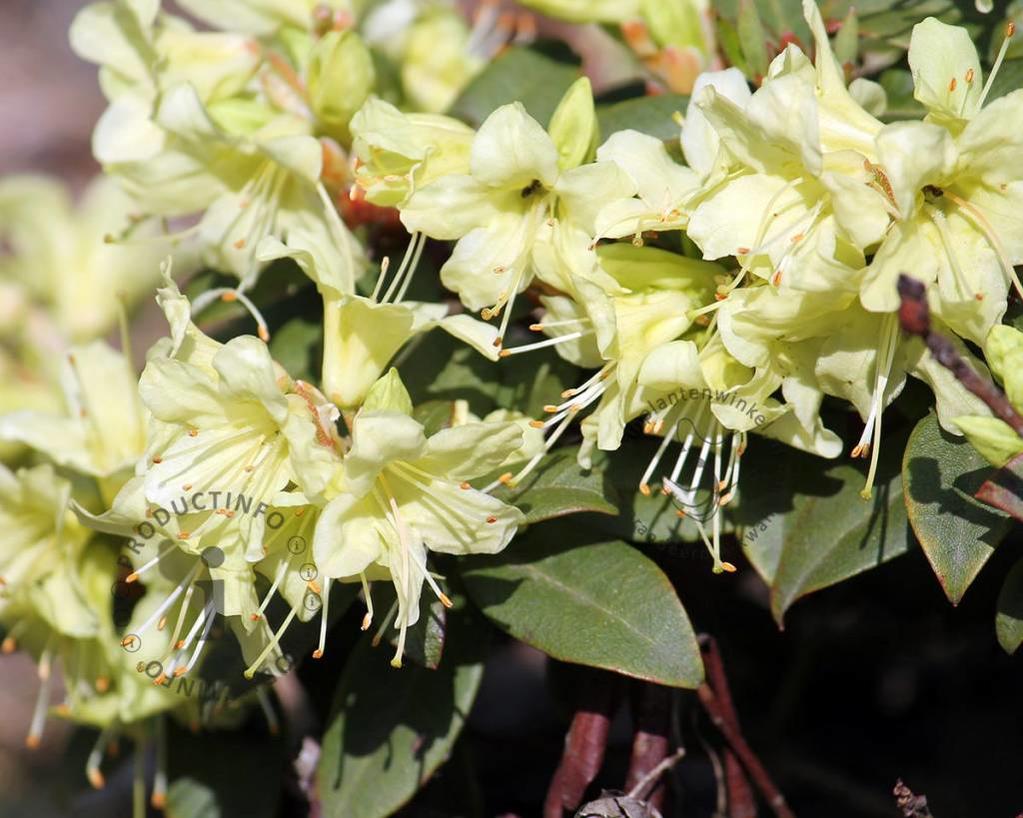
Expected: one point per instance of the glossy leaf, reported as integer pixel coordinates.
(390, 729)
(649, 115)
(560, 486)
(957, 532)
(812, 528)
(600, 604)
(446, 369)
(520, 74)
(752, 38)
(650, 518)
(424, 642)
(294, 346)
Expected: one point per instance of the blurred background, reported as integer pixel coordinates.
(50, 100)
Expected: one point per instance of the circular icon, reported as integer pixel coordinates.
(213, 557)
(308, 572)
(296, 545)
(132, 643)
(312, 601)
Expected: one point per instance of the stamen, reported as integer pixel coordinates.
(318, 653)
(890, 338)
(35, 730)
(549, 342)
(367, 620)
(406, 270)
(1010, 30)
(250, 671)
(159, 798)
(95, 759)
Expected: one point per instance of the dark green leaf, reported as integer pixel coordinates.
(649, 518)
(223, 774)
(522, 75)
(424, 642)
(752, 38)
(295, 347)
(807, 526)
(559, 486)
(1010, 78)
(390, 729)
(898, 85)
(601, 604)
(940, 474)
(446, 369)
(1009, 619)
(223, 663)
(649, 115)
(434, 415)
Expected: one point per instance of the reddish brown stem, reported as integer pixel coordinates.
(741, 803)
(915, 318)
(650, 744)
(585, 744)
(716, 699)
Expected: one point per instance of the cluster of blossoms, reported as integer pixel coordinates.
(804, 208)
(270, 130)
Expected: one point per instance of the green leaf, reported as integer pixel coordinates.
(390, 729)
(728, 37)
(222, 774)
(898, 86)
(650, 518)
(812, 527)
(752, 38)
(649, 115)
(446, 369)
(847, 41)
(295, 347)
(520, 74)
(424, 642)
(559, 486)
(1009, 619)
(434, 415)
(1010, 77)
(782, 18)
(223, 664)
(958, 533)
(600, 604)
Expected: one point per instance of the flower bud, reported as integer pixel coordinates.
(341, 76)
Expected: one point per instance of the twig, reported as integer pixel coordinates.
(584, 746)
(912, 806)
(665, 764)
(722, 715)
(915, 318)
(652, 713)
(741, 803)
